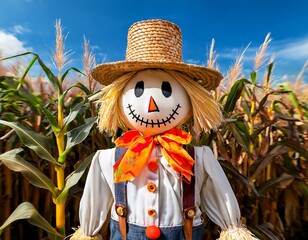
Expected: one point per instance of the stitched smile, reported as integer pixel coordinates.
(151, 122)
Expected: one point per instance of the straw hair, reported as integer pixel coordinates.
(239, 232)
(155, 44)
(205, 110)
(109, 115)
(78, 235)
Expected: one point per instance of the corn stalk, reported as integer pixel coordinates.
(67, 133)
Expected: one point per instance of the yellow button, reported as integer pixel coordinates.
(151, 212)
(151, 187)
(191, 213)
(121, 211)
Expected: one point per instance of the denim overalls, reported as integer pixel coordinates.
(135, 232)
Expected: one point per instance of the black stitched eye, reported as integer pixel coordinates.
(139, 89)
(166, 89)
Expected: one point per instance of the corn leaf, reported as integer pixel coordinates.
(296, 147)
(27, 211)
(286, 117)
(261, 105)
(234, 94)
(26, 71)
(258, 131)
(240, 136)
(229, 168)
(52, 78)
(77, 85)
(243, 129)
(259, 165)
(74, 177)
(291, 96)
(73, 114)
(37, 142)
(246, 108)
(269, 73)
(253, 76)
(29, 98)
(263, 233)
(303, 187)
(278, 181)
(70, 69)
(276, 107)
(30, 172)
(77, 135)
(222, 147)
(83, 88)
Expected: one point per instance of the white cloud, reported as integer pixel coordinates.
(95, 47)
(293, 50)
(11, 45)
(101, 57)
(289, 49)
(193, 61)
(234, 53)
(18, 29)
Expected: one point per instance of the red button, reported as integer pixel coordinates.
(152, 165)
(152, 232)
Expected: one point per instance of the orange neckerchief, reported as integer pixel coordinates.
(140, 148)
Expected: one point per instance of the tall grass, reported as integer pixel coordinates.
(46, 134)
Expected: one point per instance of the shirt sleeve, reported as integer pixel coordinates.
(96, 199)
(218, 199)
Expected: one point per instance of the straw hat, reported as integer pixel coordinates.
(155, 44)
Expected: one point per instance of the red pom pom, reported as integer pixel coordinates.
(152, 232)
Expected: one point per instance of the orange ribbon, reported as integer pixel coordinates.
(140, 148)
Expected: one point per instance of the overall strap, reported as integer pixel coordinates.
(189, 202)
(121, 197)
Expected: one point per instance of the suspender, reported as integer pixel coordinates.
(189, 209)
(121, 197)
(120, 187)
(189, 201)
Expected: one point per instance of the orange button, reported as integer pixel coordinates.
(152, 165)
(151, 187)
(151, 212)
(152, 232)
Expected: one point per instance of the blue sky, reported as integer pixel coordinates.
(29, 25)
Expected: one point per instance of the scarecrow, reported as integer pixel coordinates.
(154, 182)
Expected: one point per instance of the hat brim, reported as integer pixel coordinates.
(106, 73)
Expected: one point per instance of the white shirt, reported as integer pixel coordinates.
(213, 194)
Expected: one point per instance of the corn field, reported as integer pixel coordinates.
(48, 136)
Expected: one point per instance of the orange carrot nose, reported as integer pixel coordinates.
(152, 106)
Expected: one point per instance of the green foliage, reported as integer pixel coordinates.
(234, 94)
(27, 211)
(31, 173)
(263, 150)
(49, 140)
(37, 142)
